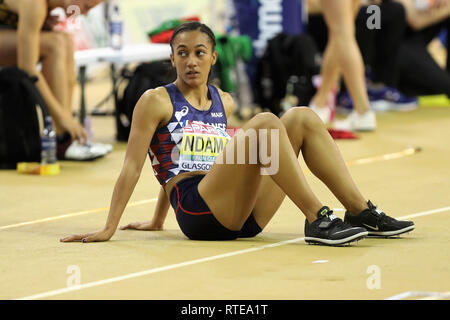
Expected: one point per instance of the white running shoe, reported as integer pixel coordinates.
(357, 122)
(101, 147)
(329, 115)
(324, 113)
(83, 152)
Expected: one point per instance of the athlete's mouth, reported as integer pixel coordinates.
(192, 73)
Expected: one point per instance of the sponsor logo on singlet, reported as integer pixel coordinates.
(217, 114)
(183, 112)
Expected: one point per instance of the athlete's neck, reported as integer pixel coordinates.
(197, 96)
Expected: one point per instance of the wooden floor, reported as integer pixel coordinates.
(36, 211)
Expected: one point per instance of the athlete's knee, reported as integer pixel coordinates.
(57, 44)
(295, 112)
(266, 120)
(302, 117)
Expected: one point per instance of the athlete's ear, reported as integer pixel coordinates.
(214, 58)
(172, 59)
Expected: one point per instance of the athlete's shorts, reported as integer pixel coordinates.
(197, 221)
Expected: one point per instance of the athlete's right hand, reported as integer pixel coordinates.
(74, 128)
(99, 236)
(146, 226)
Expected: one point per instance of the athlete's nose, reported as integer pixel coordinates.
(192, 61)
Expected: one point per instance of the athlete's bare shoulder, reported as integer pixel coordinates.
(228, 102)
(158, 94)
(156, 103)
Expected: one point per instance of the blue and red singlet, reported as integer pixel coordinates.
(191, 140)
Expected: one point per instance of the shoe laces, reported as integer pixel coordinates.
(336, 221)
(381, 216)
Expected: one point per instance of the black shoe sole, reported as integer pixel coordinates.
(388, 234)
(338, 242)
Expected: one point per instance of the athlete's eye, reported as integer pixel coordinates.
(201, 53)
(182, 53)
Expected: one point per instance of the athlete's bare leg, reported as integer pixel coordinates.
(342, 54)
(58, 66)
(243, 188)
(322, 157)
(56, 56)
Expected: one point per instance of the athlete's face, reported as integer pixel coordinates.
(193, 57)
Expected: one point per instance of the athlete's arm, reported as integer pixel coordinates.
(420, 19)
(157, 223)
(150, 111)
(228, 103)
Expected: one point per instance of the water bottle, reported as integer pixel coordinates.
(88, 128)
(48, 143)
(116, 28)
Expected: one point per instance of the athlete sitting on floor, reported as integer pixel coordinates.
(224, 188)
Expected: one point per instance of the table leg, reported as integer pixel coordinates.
(116, 102)
(82, 79)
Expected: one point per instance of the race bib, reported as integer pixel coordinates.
(200, 146)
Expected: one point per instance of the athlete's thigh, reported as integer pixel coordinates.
(268, 200)
(356, 6)
(233, 191)
(338, 15)
(8, 48)
(270, 196)
(49, 41)
(230, 189)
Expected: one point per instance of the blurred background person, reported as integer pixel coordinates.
(27, 38)
(342, 56)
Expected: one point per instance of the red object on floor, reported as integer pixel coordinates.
(342, 134)
(232, 131)
(335, 134)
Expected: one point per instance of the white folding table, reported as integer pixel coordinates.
(128, 54)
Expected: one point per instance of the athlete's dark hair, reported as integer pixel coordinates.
(193, 26)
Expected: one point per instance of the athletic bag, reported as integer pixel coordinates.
(145, 76)
(285, 56)
(20, 139)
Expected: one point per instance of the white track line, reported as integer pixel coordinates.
(192, 262)
(384, 157)
(425, 213)
(156, 270)
(437, 296)
(74, 214)
(426, 295)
